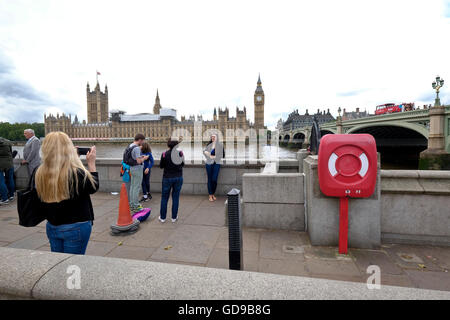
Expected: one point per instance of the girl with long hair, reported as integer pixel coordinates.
(64, 187)
(214, 153)
(172, 161)
(148, 164)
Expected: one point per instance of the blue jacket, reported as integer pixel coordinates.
(149, 162)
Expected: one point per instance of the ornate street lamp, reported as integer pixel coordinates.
(437, 85)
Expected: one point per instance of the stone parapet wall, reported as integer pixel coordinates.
(28, 274)
(194, 175)
(415, 206)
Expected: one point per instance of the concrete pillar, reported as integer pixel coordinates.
(436, 139)
(301, 155)
(339, 125)
(435, 157)
(307, 138)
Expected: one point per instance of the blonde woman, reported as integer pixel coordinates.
(64, 187)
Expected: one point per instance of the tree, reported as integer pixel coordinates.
(14, 132)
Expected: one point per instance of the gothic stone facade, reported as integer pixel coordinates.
(157, 126)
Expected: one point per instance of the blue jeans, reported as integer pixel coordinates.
(69, 238)
(7, 187)
(212, 171)
(146, 182)
(175, 185)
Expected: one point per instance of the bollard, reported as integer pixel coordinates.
(235, 230)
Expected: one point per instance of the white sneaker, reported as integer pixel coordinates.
(161, 220)
(4, 201)
(174, 220)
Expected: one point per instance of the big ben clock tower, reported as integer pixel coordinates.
(259, 106)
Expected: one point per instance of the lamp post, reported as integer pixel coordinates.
(437, 85)
(435, 156)
(339, 122)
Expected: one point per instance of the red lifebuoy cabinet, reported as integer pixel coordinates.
(347, 167)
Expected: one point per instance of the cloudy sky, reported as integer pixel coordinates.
(205, 54)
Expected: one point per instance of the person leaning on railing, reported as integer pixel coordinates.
(64, 187)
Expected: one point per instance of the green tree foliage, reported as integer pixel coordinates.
(14, 131)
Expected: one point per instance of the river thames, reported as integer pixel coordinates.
(115, 150)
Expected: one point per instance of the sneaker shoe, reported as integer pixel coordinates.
(161, 220)
(174, 220)
(4, 202)
(149, 196)
(144, 199)
(11, 198)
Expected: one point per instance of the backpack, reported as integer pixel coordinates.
(127, 158)
(125, 172)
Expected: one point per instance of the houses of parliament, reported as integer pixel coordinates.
(106, 124)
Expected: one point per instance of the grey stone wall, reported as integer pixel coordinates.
(28, 274)
(415, 206)
(274, 201)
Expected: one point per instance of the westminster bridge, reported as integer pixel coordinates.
(400, 136)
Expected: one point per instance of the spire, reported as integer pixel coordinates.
(259, 88)
(157, 107)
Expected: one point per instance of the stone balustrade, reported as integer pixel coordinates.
(28, 274)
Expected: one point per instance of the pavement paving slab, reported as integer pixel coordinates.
(190, 243)
(99, 248)
(365, 258)
(219, 259)
(273, 241)
(131, 252)
(411, 257)
(31, 242)
(342, 268)
(12, 232)
(430, 279)
(280, 266)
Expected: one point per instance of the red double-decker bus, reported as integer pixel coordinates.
(387, 108)
(392, 107)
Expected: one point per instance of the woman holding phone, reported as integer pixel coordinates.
(64, 187)
(213, 153)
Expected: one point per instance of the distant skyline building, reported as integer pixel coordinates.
(296, 120)
(159, 125)
(350, 115)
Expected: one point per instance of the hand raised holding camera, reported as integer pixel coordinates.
(91, 156)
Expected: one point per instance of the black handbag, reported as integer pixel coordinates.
(29, 205)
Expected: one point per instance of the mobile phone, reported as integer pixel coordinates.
(82, 151)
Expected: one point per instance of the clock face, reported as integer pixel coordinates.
(258, 98)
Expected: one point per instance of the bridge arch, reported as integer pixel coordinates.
(399, 145)
(298, 137)
(326, 131)
(419, 129)
(286, 138)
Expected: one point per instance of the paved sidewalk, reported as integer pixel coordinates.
(200, 238)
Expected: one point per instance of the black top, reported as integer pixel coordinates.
(76, 209)
(171, 170)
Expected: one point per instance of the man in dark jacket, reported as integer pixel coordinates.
(7, 187)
